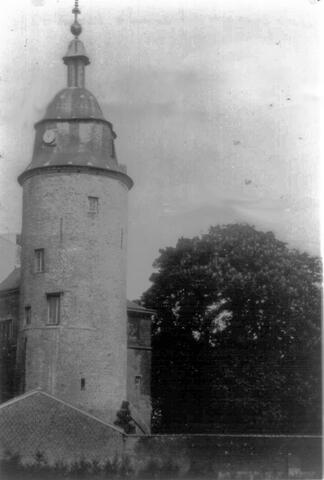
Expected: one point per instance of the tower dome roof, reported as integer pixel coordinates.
(73, 134)
(73, 102)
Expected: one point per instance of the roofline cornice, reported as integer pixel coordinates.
(69, 58)
(138, 347)
(51, 169)
(141, 312)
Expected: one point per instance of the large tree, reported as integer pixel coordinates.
(237, 334)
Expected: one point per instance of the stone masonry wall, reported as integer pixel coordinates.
(85, 261)
(225, 457)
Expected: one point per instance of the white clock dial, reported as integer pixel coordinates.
(49, 137)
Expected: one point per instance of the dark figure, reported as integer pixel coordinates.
(124, 419)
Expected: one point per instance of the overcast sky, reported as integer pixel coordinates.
(215, 104)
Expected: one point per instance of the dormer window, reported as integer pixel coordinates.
(39, 260)
(93, 204)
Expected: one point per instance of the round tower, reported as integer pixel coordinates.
(73, 319)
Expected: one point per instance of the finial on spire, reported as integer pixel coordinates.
(76, 28)
(76, 58)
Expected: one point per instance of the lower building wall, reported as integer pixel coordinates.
(73, 440)
(138, 385)
(41, 430)
(225, 457)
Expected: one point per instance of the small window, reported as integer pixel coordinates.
(39, 260)
(54, 308)
(23, 365)
(138, 380)
(28, 315)
(82, 383)
(113, 151)
(93, 204)
(6, 329)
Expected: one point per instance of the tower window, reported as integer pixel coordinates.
(93, 204)
(61, 229)
(28, 315)
(82, 383)
(39, 260)
(121, 237)
(54, 308)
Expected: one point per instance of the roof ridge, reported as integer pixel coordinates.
(11, 281)
(18, 398)
(42, 392)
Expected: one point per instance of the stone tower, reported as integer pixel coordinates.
(72, 333)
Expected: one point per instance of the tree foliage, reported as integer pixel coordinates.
(237, 334)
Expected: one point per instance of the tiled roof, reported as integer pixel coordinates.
(39, 422)
(12, 281)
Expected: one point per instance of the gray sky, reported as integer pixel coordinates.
(215, 104)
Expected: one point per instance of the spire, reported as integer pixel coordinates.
(76, 58)
(76, 28)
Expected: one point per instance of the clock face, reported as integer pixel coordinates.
(49, 137)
